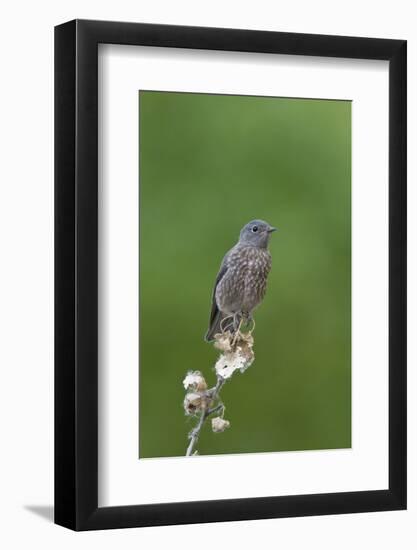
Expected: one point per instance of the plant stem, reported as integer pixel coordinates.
(195, 434)
(205, 413)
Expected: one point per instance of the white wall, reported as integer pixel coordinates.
(26, 289)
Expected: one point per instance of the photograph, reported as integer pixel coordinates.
(244, 274)
(209, 259)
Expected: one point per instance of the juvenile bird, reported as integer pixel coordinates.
(241, 282)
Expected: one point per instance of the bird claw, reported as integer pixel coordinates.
(237, 332)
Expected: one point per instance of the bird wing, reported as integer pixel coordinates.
(220, 275)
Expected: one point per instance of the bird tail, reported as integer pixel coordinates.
(214, 327)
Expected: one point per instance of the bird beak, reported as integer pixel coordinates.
(272, 229)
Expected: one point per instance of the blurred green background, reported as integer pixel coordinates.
(208, 165)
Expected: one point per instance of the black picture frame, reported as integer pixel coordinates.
(76, 272)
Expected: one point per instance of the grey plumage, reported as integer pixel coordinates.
(240, 285)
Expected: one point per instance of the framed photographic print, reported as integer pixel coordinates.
(230, 253)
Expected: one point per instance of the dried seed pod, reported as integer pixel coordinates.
(195, 381)
(194, 402)
(223, 341)
(228, 363)
(219, 424)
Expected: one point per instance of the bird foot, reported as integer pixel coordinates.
(237, 332)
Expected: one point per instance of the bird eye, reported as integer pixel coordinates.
(255, 228)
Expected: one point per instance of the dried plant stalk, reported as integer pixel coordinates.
(200, 401)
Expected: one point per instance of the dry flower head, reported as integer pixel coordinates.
(195, 381)
(237, 353)
(219, 424)
(194, 402)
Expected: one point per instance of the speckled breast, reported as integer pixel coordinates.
(244, 284)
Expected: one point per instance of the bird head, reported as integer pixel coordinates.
(256, 233)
